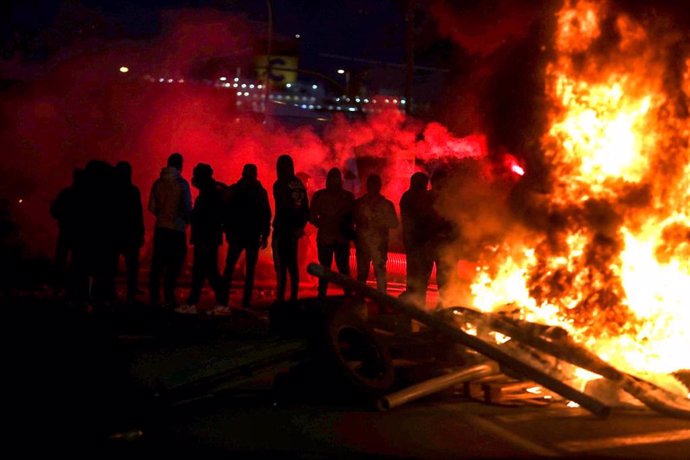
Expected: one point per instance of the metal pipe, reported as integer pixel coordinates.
(594, 406)
(435, 385)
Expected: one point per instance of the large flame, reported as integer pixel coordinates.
(612, 264)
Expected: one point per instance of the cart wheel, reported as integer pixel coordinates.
(351, 348)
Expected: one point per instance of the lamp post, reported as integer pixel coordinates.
(269, 38)
(347, 80)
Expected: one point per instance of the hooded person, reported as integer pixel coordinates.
(291, 215)
(416, 214)
(206, 236)
(247, 227)
(171, 202)
(130, 226)
(331, 213)
(374, 217)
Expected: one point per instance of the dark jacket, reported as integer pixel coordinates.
(417, 214)
(292, 206)
(131, 217)
(171, 200)
(247, 213)
(331, 213)
(374, 217)
(206, 220)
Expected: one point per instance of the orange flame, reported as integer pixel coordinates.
(612, 265)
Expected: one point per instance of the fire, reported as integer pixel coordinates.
(611, 263)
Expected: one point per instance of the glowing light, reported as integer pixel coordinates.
(251, 86)
(341, 71)
(237, 79)
(314, 86)
(289, 85)
(124, 69)
(223, 78)
(20, 201)
(170, 80)
(244, 85)
(517, 169)
(298, 36)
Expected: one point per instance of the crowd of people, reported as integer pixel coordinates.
(100, 219)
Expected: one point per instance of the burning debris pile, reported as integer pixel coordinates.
(608, 261)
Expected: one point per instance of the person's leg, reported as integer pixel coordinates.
(156, 271)
(178, 251)
(325, 259)
(363, 261)
(279, 264)
(235, 248)
(342, 260)
(379, 257)
(131, 255)
(292, 266)
(198, 275)
(251, 256)
(220, 287)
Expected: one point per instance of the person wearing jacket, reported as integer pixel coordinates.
(247, 227)
(131, 226)
(374, 217)
(207, 235)
(416, 214)
(291, 215)
(331, 213)
(171, 202)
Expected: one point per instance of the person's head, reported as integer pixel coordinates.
(334, 180)
(202, 175)
(175, 161)
(419, 181)
(250, 172)
(285, 167)
(123, 170)
(374, 184)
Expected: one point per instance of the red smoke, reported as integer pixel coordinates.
(82, 107)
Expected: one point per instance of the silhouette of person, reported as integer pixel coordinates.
(416, 213)
(131, 226)
(207, 235)
(170, 201)
(307, 244)
(374, 217)
(96, 242)
(443, 233)
(64, 210)
(291, 215)
(331, 213)
(247, 227)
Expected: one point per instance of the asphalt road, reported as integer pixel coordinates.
(79, 382)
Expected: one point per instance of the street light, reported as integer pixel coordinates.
(347, 79)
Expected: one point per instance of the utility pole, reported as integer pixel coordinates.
(269, 39)
(409, 54)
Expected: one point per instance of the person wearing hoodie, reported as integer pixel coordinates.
(416, 214)
(374, 218)
(247, 227)
(207, 235)
(171, 202)
(131, 226)
(291, 215)
(331, 214)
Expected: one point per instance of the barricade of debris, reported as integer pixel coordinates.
(328, 348)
